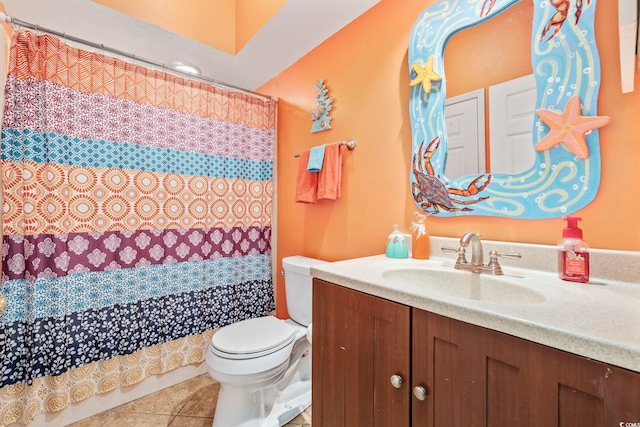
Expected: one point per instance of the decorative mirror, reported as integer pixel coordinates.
(566, 173)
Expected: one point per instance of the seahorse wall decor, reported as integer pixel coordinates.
(320, 113)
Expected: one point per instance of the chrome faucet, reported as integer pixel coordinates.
(476, 247)
(476, 265)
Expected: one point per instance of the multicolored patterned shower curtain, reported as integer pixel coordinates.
(136, 219)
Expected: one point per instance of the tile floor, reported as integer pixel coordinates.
(188, 404)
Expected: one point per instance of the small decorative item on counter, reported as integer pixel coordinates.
(396, 246)
(573, 253)
(420, 244)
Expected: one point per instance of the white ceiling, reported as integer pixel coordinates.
(296, 29)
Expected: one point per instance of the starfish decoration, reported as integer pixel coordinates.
(424, 75)
(569, 127)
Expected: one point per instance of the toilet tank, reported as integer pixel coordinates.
(298, 285)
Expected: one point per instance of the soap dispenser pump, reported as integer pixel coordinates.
(573, 253)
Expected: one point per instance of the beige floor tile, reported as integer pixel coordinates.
(99, 420)
(180, 421)
(168, 401)
(202, 402)
(129, 419)
(188, 404)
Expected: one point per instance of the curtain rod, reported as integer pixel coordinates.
(65, 36)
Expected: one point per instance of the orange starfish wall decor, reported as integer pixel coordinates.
(570, 128)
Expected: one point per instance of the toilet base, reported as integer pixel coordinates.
(236, 407)
(271, 401)
(283, 412)
(292, 402)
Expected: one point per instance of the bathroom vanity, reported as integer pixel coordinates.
(394, 353)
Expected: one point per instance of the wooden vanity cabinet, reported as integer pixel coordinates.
(473, 376)
(359, 342)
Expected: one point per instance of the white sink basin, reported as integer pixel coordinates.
(463, 284)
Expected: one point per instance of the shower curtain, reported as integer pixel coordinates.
(136, 219)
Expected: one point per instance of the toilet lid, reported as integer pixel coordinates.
(252, 338)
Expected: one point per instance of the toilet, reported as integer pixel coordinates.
(263, 364)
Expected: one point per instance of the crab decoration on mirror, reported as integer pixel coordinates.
(557, 20)
(430, 192)
(562, 11)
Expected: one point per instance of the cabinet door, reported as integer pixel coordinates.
(479, 377)
(576, 391)
(359, 343)
(473, 376)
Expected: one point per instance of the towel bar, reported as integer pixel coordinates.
(350, 144)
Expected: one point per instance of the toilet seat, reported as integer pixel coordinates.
(252, 338)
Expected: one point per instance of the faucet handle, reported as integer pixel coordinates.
(495, 266)
(494, 255)
(462, 259)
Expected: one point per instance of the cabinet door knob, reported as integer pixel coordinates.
(396, 381)
(420, 392)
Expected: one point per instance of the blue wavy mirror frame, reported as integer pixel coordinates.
(566, 173)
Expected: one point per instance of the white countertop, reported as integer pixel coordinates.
(599, 320)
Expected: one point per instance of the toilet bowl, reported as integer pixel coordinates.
(263, 364)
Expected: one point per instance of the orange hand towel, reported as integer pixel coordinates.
(330, 177)
(307, 182)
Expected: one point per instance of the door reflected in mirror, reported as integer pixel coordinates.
(491, 96)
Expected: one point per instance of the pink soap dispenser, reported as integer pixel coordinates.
(573, 253)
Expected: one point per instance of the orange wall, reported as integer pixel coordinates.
(226, 25)
(251, 16)
(209, 22)
(365, 68)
